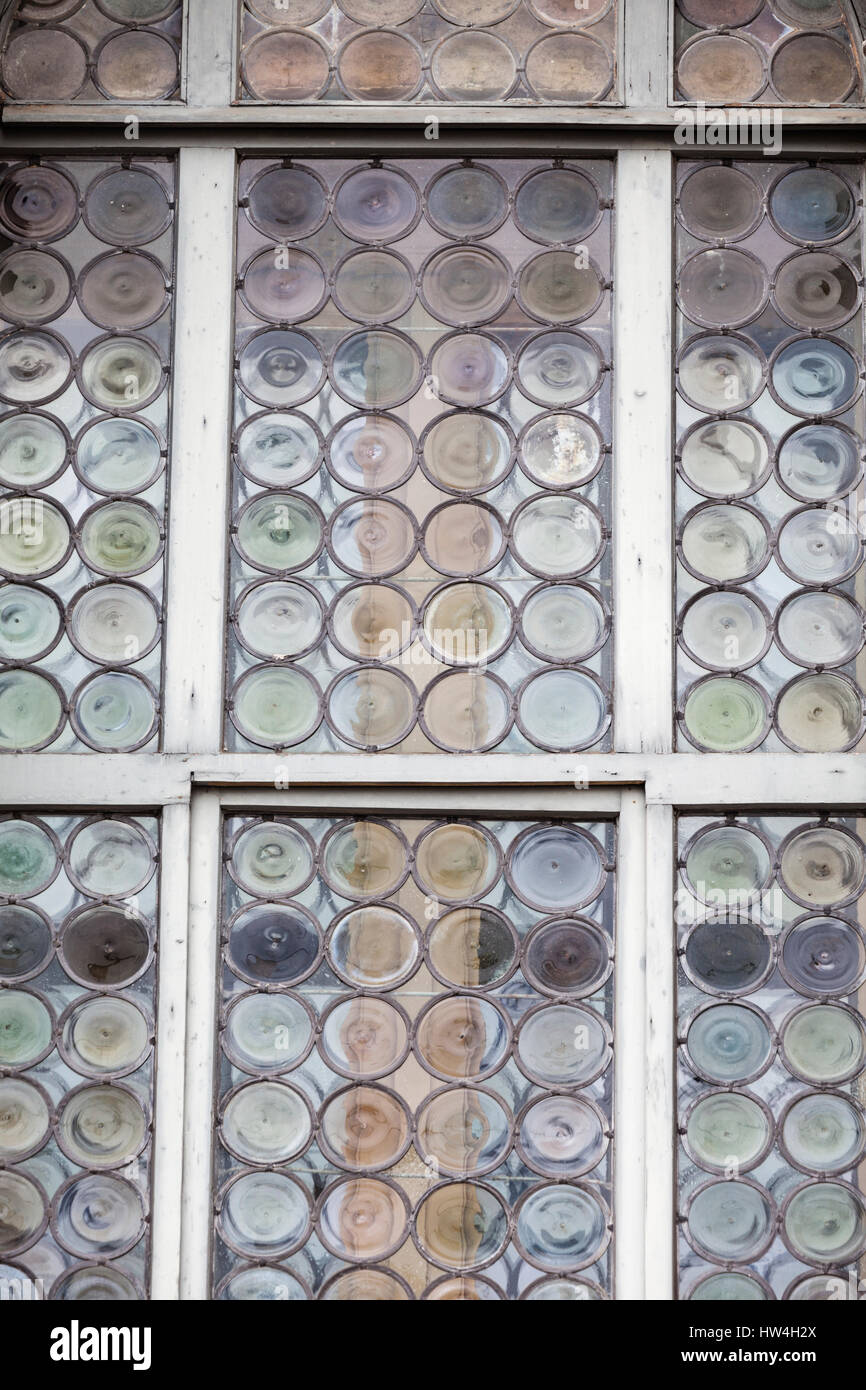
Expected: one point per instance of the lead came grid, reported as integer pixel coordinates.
(78, 914)
(86, 296)
(529, 52)
(769, 491)
(420, 547)
(415, 1081)
(93, 50)
(772, 1057)
(774, 52)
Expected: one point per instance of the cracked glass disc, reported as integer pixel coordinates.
(726, 1128)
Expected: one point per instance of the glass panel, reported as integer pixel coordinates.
(99, 50)
(772, 1056)
(86, 283)
(78, 915)
(774, 52)
(486, 53)
(422, 486)
(769, 493)
(415, 1089)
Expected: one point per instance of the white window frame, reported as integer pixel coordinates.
(644, 783)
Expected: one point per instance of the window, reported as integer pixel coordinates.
(431, 650)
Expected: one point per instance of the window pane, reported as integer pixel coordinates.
(487, 52)
(772, 1056)
(78, 914)
(102, 50)
(416, 1033)
(776, 52)
(86, 282)
(422, 487)
(770, 415)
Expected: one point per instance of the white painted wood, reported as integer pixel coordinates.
(646, 52)
(203, 356)
(170, 1052)
(660, 1097)
(643, 557)
(210, 42)
(630, 1051)
(94, 780)
(446, 801)
(201, 995)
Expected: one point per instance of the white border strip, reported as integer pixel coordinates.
(630, 1052)
(660, 1099)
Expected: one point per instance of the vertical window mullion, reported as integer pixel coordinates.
(171, 1018)
(203, 943)
(645, 53)
(199, 486)
(643, 586)
(630, 1051)
(659, 1213)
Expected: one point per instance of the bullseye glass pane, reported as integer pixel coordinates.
(420, 552)
(771, 1055)
(415, 1058)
